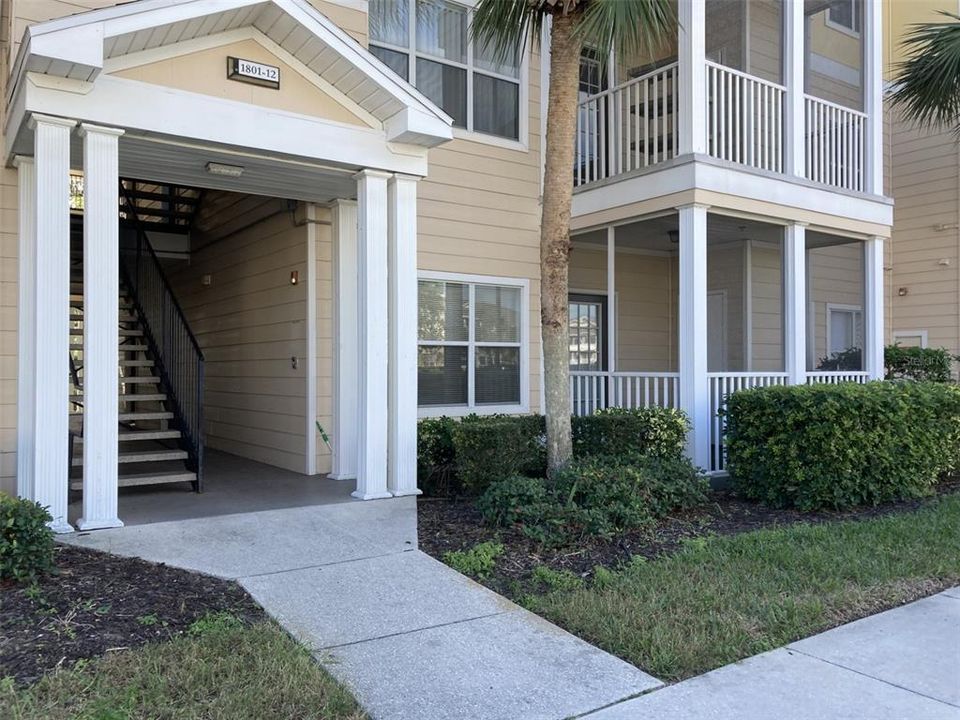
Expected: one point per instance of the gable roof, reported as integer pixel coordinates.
(77, 46)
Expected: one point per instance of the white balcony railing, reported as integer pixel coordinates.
(629, 127)
(744, 118)
(835, 144)
(834, 377)
(595, 390)
(722, 385)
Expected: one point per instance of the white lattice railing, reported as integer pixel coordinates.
(722, 385)
(629, 127)
(596, 390)
(833, 377)
(744, 118)
(835, 144)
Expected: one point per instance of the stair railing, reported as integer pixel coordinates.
(176, 352)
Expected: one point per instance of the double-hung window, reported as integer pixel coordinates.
(472, 347)
(846, 15)
(427, 43)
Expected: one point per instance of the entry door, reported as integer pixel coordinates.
(716, 331)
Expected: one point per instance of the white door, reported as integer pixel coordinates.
(716, 331)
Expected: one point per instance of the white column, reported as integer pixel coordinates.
(26, 324)
(346, 396)
(794, 25)
(611, 348)
(101, 289)
(402, 453)
(795, 303)
(51, 138)
(873, 335)
(692, 345)
(373, 338)
(873, 95)
(693, 77)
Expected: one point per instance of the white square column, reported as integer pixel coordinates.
(101, 289)
(402, 450)
(692, 57)
(51, 138)
(373, 316)
(873, 335)
(26, 325)
(873, 95)
(692, 340)
(794, 130)
(345, 362)
(795, 303)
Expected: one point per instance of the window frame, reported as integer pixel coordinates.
(856, 14)
(841, 309)
(602, 299)
(471, 281)
(522, 142)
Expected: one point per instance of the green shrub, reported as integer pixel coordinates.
(516, 500)
(617, 432)
(838, 446)
(26, 543)
(476, 562)
(915, 363)
(436, 470)
(496, 447)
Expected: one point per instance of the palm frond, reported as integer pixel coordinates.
(504, 26)
(927, 83)
(629, 26)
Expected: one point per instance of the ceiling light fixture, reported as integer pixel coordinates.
(215, 168)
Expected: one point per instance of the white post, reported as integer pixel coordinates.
(692, 77)
(795, 303)
(873, 95)
(611, 315)
(101, 290)
(51, 138)
(373, 350)
(346, 378)
(26, 325)
(873, 336)
(794, 131)
(402, 452)
(692, 345)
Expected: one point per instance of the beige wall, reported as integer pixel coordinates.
(250, 321)
(834, 276)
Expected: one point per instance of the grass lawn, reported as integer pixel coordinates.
(723, 598)
(222, 670)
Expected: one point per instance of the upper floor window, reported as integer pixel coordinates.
(470, 82)
(845, 14)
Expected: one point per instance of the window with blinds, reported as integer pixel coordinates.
(470, 344)
(474, 85)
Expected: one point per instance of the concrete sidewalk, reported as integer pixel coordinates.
(412, 639)
(903, 664)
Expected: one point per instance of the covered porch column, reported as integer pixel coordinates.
(402, 445)
(873, 335)
(101, 289)
(692, 339)
(372, 357)
(26, 325)
(51, 224)
(345, 289)
(795, 303)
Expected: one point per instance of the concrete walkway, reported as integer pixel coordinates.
(903, 664)
(409, 636)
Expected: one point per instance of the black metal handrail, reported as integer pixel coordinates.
(176, 352)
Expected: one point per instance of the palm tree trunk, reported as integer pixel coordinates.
(555, 235)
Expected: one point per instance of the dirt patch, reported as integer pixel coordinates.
(97, 603)
(446, 524)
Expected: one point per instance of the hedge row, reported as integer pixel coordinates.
(837, 446)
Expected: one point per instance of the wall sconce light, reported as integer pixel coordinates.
(902, 291)
(206, 280)
(294, 277)
(943, 261)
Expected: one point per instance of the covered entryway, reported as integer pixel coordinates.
(337, 141)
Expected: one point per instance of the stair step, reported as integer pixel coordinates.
(142, 456)
(140, 379)
(135, 416)
(123, 317)
(132, 348)
(144, 397)
(136, 332)
(122, 347)
(131, 435)
(76, 301)
(136, 363)
(144, 479)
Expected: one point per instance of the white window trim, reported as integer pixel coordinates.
(922, 334)
(843, 28)
(839, 307)
(522, 142)
(517, 408)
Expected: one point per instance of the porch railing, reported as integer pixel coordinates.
(834, 377)
(744, 118)
(722, 385)
(629, 127)
(596, 390)
(835, 144)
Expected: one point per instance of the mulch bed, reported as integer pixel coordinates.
(97, 603)
(446, 524)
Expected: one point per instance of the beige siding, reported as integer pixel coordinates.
(766, 39)
(250, 321)
(766, 322)
(835, 277)
(324, 311)
(725, 274)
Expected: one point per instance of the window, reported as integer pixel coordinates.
(845, 15)
(844, 328)
(588, 332)
(476, 87)
(472, 350)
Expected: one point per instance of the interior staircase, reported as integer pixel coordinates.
(153, 447)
